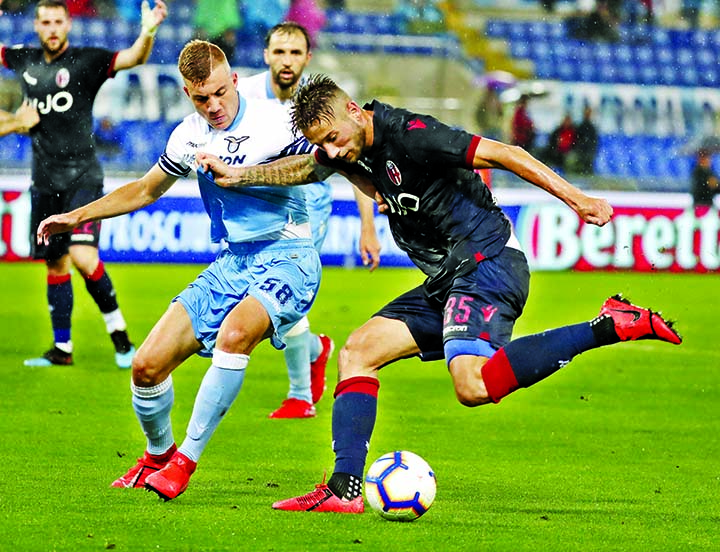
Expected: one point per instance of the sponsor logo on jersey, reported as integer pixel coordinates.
(364, 165)
(488, 312)
(59, 103)
(453, 329)
(62, 77)
(28, 78)
(393, 173)
(233, 144)
(416, 124)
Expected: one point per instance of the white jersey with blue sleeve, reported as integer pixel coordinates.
(319, 194)
(260, 133)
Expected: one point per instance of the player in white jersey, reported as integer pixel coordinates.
(287, 54)
(258, 287)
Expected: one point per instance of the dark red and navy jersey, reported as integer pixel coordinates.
(63, 92)
(441, 213)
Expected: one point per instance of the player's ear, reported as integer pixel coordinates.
(353, 110)
(187, 92)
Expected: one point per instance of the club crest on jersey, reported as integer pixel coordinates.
(393, 173)
(62, 78)
(233, 144)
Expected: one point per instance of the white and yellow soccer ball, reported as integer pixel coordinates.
(400, 486)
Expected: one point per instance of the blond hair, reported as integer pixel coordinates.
(199, 59)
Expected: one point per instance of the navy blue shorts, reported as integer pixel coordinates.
(478, 315)
(46, 203)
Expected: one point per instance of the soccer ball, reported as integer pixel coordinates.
(400, 486)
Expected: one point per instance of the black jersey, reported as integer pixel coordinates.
(63, 92)
(441, 212)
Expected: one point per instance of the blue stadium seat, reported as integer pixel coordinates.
(496, 28)
(517, 30)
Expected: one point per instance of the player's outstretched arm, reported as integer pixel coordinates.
(492, 154)
(127, 198)
(287, 171)
(140, 51)
(21, 121)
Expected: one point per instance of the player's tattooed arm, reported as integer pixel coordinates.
(287, 171)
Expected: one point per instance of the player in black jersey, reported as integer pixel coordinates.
(421, 173)
(61, 82)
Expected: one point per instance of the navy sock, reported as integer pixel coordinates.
(353, 420)
(101, 289)
(60, 301)
(527, 360)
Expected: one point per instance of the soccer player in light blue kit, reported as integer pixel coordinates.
(259, 286)
(287, 54)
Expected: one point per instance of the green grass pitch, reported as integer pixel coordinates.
(618, 451)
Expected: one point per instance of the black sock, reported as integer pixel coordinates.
(603, 328)
(345, 485)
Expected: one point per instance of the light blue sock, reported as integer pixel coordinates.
(297, 359)
(217, 392)
(315, 347)
(152, 407)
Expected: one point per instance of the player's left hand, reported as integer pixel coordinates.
(55, 224)
(370, 250)
(595, 210)
(222, 172)
(151, 18)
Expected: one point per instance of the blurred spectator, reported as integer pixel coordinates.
(309, 15)
(691, 12)
(129, 10)
(548, 5)
(489, 114)
(704, 182)
(108, 138)
(522, 129)
(260, 17)
(17, 6)
(586, 143)
(420, 16)
(560, 143)
(218, 21)
(81, 8)
(599, 24)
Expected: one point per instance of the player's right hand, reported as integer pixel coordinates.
(55, 224)
(27, 115)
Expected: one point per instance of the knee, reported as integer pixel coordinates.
(471, 396)
(145, 372)
(234, 339)
(466, 372)
(353, 358)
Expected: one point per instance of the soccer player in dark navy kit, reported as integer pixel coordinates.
(421, 173)
(62, 82)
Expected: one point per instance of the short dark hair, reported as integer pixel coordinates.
(51, 4)
(313, 102)
(288, 27)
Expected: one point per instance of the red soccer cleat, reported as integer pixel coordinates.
(321, 499)
(172, 480)
(633, 322)
(317, 368)
(149, 463)
(294, 408)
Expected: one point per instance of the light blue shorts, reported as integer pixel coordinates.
(318, 197)
(283, 275)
